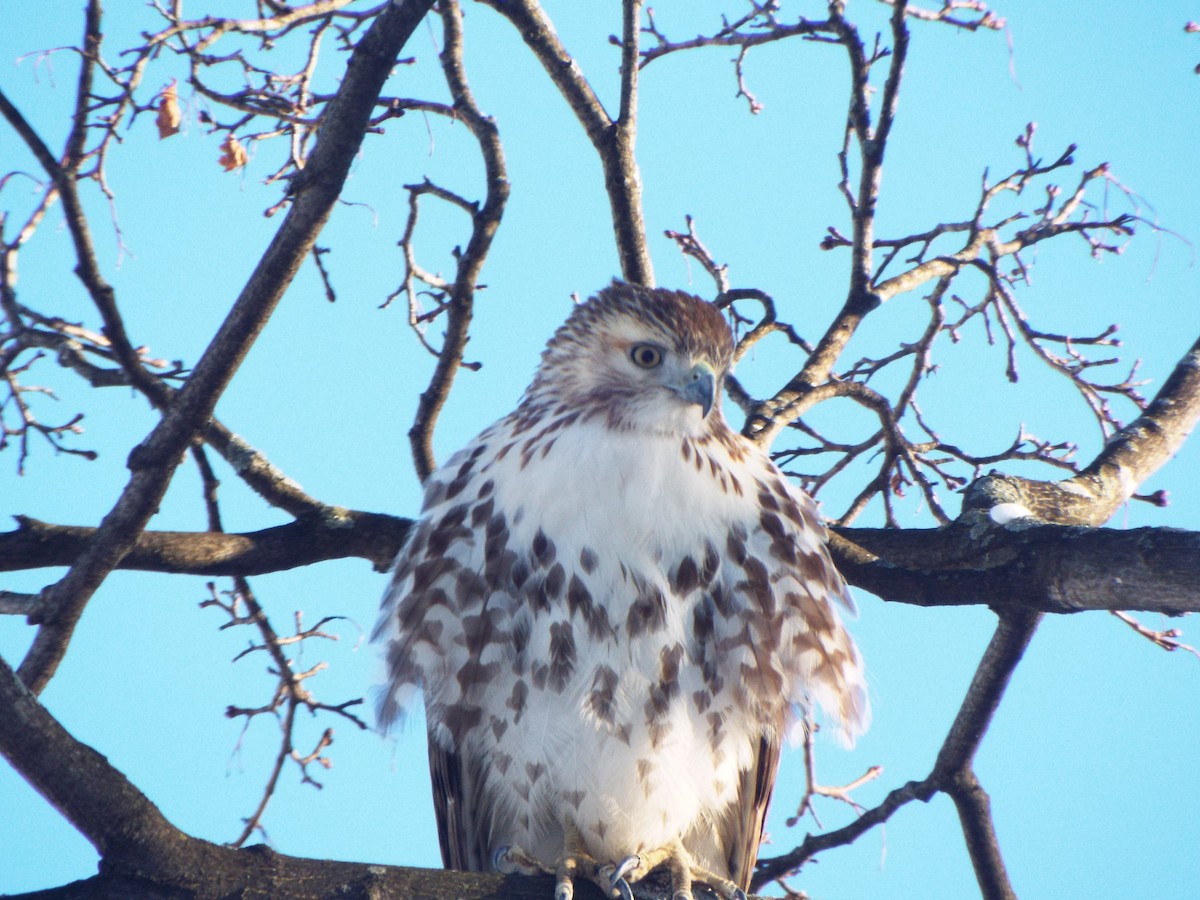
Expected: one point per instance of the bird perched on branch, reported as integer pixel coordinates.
(615, 607)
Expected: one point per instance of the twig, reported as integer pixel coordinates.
(871, 139)
(812, 788)
(485, 222)
(1166, 638)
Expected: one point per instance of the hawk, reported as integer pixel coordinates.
(615, 606)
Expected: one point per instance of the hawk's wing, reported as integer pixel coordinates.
(460, 826)
(439, 585)
(741, 828)
(787, 550)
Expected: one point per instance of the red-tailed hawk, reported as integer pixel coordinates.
(614, 606)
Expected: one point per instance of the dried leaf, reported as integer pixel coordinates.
(169, 114)
(233, 154)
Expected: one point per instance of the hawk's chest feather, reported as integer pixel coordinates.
(647, 500)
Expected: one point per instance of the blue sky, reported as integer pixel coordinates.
(1091, 760)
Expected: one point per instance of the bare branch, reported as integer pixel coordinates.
(1131, 456)
(459, 306)
(977, 14)
(309, 539)
(690, 245)
(813, 788)
(613, 139)
(153, 462)
(289, 694)
(756, 28)
(1166, 638)
(788, 403)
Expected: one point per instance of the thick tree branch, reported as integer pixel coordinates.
(93, 796)
(311, 539)
(261, 872)
(144, 855)
(1041, 567)
(953, 773)
(1049, 568)
(974, 808)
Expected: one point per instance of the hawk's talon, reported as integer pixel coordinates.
(564, 890)
(500, 860)
(623, 868)
(510, 860)
(739, 894)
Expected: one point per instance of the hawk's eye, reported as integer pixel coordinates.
(646, 356)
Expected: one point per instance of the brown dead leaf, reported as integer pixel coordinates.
(169, 114)
(233, 154)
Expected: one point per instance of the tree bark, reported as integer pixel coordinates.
(1048, 568)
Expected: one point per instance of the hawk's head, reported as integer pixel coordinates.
(646, 359)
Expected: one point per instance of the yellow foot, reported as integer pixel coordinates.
(579, 864)
(683, 869)
(574, 863)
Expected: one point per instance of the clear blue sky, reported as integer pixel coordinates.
(1091, 760)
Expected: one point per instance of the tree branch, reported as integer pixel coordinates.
(776, 413)
(485, 222)
(144, 855)
(953, 771)
(1042, 567)
(613, 140)
(1050, 568)
(308, 540)
(94, 797)
(65, 177)
(153, 462)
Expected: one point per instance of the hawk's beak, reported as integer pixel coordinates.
(700, 387)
